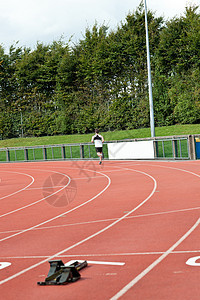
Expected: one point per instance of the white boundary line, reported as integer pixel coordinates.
(108, 220)
(20, 189)
(21, 208)
(155, 263)
(33, 203)
(100, 255)
(178, 169)
(89, 237)
(110, 263)
(58, 216)
(165, 167)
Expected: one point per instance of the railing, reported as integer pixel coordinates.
(50, 152)
(173, 147)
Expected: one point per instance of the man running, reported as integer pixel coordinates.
(98, 140)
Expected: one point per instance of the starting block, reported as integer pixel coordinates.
(60, 274)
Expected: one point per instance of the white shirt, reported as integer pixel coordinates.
(98, 140)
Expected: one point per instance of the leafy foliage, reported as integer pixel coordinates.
(102, 80)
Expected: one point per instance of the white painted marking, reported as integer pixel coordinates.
(100, 255)
(155, 263)
(89, 237)
(31, 204)
(58, 216)
(192, 261)
(4, 265)
(96, 262)
(20, 190)
(183, 170)
(108, 220)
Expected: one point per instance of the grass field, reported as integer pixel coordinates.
(49, 153)
(54, 147)
(108, 136)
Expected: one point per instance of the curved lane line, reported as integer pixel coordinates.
(183, 170)
(31, 204)
(107, 220)
(89, 237)
(20, 189)
(138, 216)
(58, 216)
(155, 263)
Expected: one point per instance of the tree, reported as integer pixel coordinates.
(102, 80)
(179, 47)
(184, 95)
(176, 82)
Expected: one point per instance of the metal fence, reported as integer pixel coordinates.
(173, 147)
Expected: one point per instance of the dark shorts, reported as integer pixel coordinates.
(99, 149)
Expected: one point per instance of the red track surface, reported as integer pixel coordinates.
(143, 214)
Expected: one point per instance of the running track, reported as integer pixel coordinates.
(136, 222)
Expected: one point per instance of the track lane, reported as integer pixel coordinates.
(9, 186)
(102, 242)
(114, 222)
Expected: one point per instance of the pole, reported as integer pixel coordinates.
(149, 75)
(22, 131)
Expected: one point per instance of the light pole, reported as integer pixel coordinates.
(22, 131)
(149, 75)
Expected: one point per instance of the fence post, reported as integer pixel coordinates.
(175, 148)
(7, 154)
(63, 152)
(44, 153)
(26, 154)
(155, 146)
(81, 151)
(191, 146)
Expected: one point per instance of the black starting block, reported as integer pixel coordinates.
(60, 274)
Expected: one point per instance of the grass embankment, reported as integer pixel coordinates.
(108, 136)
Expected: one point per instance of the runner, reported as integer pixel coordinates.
(98, 140)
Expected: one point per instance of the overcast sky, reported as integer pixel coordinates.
(29, 21)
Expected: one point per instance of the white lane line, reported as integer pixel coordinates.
(58, 216)
(63, 187)
(109, 263)
(20, 190)
(95, 262)
(45, 187)
(168, 167)
(100, 255)
(155, 263)
(74, 178)
(107, 220)
(33, 203)
(89, 237)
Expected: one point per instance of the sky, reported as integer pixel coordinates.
(30, 21)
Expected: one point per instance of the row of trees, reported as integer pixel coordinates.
(101, 81)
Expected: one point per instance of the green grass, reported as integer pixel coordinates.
(164, 147)
(108, 136)
(50, 153)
